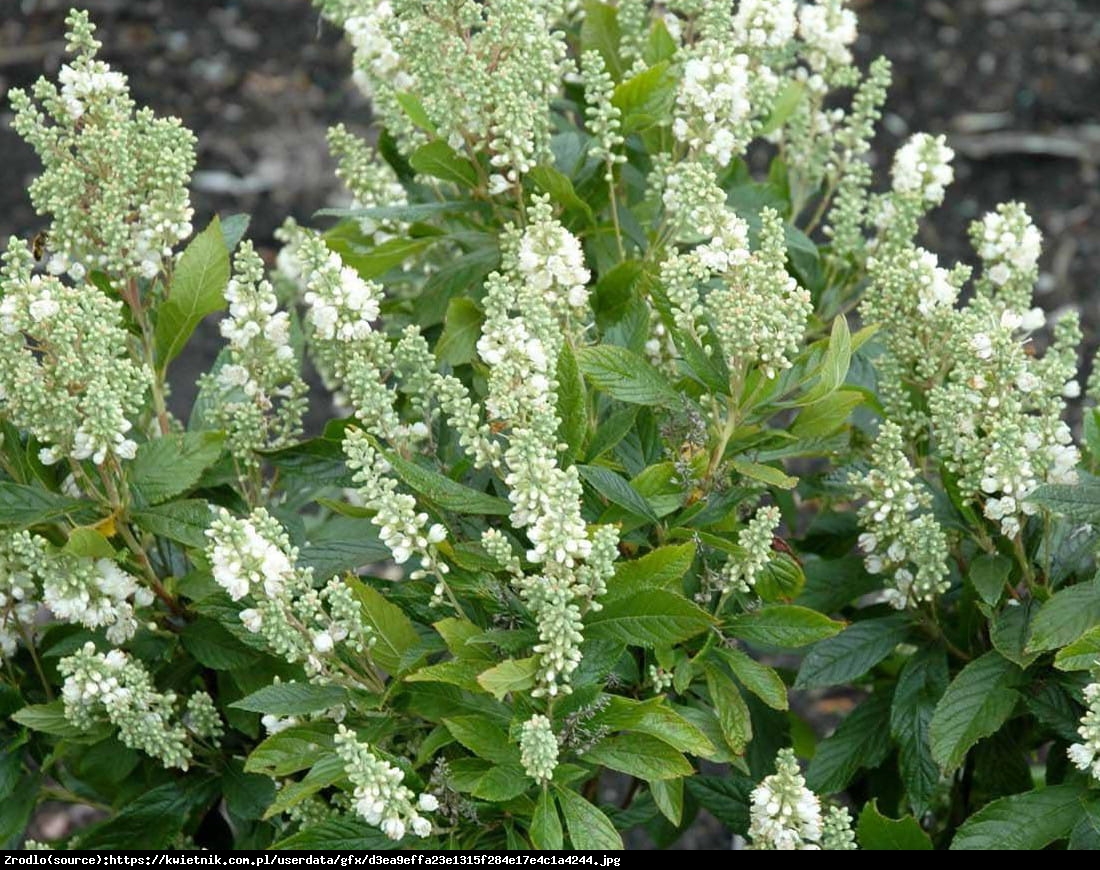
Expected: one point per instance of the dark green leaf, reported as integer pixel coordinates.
(617, 490)
(652, 617)
(153, 820)
(731, 709)
(976, 704)
(457, 345)
(292, 699)
(372, 262)
(861, 740)
(1009, 630)
(1027, 821)
(1078, 501)
(545, 831)
(600, 32)
(1082, 654)
(920, 686)
(661, 568)
(727, 798)
(625, 376)
(645, 99)
(1065, 617)
(247, 795)
(588, 827)
(50, 719)
(340, 833)
(560, 188)
(878, 833)
(483, 737)
(668, 794)
(758, 678)
(292, 749)
(639, 755)
(988, 573)
(182, 521)
(24, 506)
(444, 492)
(783, 625)
(215, 647)
(852, 653)
(440, 160)
(171, 465)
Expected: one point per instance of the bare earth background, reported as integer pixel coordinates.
(1014, 83)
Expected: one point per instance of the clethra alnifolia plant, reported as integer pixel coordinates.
(648, 417)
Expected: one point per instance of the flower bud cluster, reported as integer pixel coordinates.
(260, 397)
(742, 569)
(67, 377)
(252, 558)
(114, 181)
(1086, 754)
(538, 748)
(785, 815)
(381, 797)
(112, 687)
(901, 538)
(19, 554)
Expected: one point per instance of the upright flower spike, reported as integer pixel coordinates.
(381, 798)
(252, 558)
(112, 687)
(538, 748)
(828, 30)
(114, 181)
(1086, 754)
(19, 553)
(370, 180)
(741, 571)
(900, 540)
(922, 169)
(259, 395)
(784, 814)
(67, 378)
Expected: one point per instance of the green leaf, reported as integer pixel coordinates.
(171, 465)
(182, 521)
(197, 288)
(213, 646)
(325, 772)
(344, 832)
(342, 544)
(786, 625)
(557, 184)
(782, 579)
(920, 686)
(600, 32)
(511, 675)
(625, 376)
(879, 833)
(727, 798)
(657, 719)
(834, 367)
(292, 699)
(861, 740)
(661, 568)
(617, 490)
(1027, 821)
(1082, 654)
(395, 633)
(414, 109)
(444, 492)
(668, 794)
(1065, 617)
(852, 653)
(644, 99)
(1079, 501)
(292, 749)
(546, 833)
(89, 544)
(374, 261)
(785, 105)
(247, 795)
(650, 618)
(764, 473)
(1009, 631)
(731, 709)
(24, 506)
(440, 160)
(572, 403)
(612, 431)
(758, 678)
(988, 573)
(639, 755)
(588, 827)
(827, 415)
(456, 672)
(50, 719)
(152, 820)
(234, 227)
(457, 345)
(483, 738)
(976, 704)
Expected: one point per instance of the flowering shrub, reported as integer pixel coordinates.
(611, 476)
